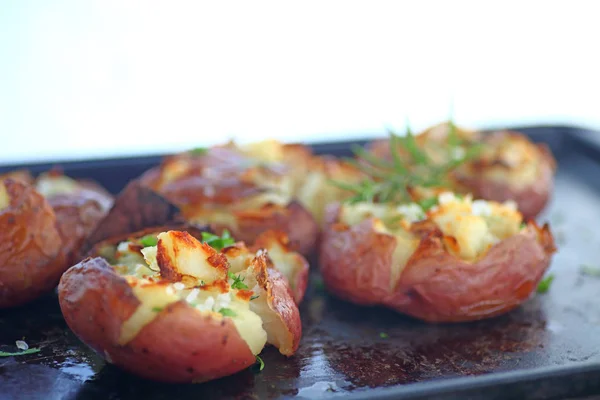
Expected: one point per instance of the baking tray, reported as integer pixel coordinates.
(548, 348)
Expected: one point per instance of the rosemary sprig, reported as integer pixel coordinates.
(391, 181)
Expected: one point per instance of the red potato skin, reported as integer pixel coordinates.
(30, 249)
(299, 225)
(176, 347)
(531, 200)
(435, 286)
(298, 283)
(281, 301)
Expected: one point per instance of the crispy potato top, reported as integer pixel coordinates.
(4, 197)
(470, 227)
(233, 283)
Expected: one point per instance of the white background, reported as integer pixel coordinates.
(81, 79)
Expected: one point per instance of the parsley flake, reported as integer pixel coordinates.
(545, 283)
(261, 363)
(20, 353)
(218, 242)
(238, 283)
(198, 151)
(383, 335)
(254, 297)
(149, 240)
(227, 312)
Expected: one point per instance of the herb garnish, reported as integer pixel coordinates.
(254, 297)
(227, 312)
(148, 240)
(410, 167)
(19, 353)
(218, 242)
(261, 363)
(238, 283)
(157, 309)
(545, 283)
(198, 151)
(426, 204)
(383, 335)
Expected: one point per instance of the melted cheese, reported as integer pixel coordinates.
(152, 298)
(269, 150)
(4, 197)
(50, 186)
(476, 225)
(188, 258)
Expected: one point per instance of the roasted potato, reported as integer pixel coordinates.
(508, 167)
(244, 189)
(177, 310)
(43, 224)
(461, 260)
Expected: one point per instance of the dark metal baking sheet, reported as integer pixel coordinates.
(548, 348)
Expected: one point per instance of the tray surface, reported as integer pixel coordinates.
(551, 343)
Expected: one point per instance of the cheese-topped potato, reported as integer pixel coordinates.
(246, 189)
(224, 306)
(455, 259)
(507, 165)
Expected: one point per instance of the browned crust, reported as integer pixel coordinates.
(178, 346)
(31, 260)
(280, 301)
(531, 200)
(435, 286)
(297, 283)
(294, 220)
(136, 208)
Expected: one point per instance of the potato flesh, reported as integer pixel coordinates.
(269, 150)
(188, 258)
(49, 186)
(154, 297)
(4, 197)
(475, 234)
(476, 225)
(285, 262)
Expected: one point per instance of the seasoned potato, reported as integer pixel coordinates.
(461, 260)
(244, 189)
(31, 257)
(508, 167)
(178, 310)
(43, 224)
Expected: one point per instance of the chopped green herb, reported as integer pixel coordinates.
(238, 283)
(254, 297)
(202, 283)
(198, 151)
(426, 204)
(218, 242)
(383, 335)
(149, 240)
(523, 224)
(590, 271)
(390, 181)
(227, 312)
(261, 363)
(20, 353)
(157, 309)
(545, 283)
